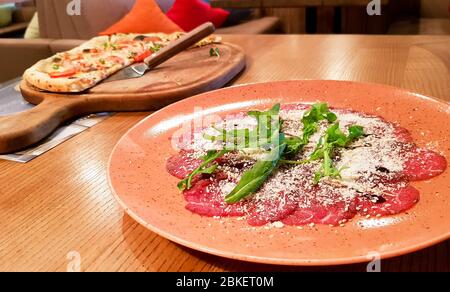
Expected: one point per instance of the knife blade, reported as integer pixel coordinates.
(173, 48)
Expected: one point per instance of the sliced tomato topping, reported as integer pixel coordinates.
(152, 39)
(143, 56)
(129, 42)
(123, 46)
(63, 74)
(114, 59)
(76, 57)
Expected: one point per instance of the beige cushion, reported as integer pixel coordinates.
(32, 31)
(96, 15)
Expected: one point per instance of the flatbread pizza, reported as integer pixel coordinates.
(95, 60)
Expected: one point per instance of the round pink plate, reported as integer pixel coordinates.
(149, 194)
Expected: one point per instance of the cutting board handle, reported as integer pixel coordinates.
(23, 129)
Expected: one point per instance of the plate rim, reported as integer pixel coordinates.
(272, 260)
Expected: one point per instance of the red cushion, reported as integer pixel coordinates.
(189, 14)
(144, 17)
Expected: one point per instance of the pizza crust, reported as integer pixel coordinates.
(43, 81)
(38, 75)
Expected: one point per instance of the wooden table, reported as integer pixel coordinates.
(61, 201)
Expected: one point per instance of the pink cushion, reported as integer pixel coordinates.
(188, 14)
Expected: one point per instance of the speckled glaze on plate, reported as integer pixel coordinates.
(149, 194)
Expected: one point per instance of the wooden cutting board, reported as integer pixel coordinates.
(191, 72)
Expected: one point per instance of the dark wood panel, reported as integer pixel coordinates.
(355, 20)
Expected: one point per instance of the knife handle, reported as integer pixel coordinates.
(184, 42)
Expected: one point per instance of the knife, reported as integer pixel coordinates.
(173, 48)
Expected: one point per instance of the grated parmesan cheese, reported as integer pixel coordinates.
(364, 165)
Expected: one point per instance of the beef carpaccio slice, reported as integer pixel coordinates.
(182, 164)
(422, 164)
(394, 202)
(267, 211)
(331, 214)
(206, 197)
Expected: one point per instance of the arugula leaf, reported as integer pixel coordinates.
(232, 136)
(332, 139)
(155, 48)
(241, 138)
(214, 52)
(252, 179)
(318, 112)
(336, 136)
(204, 168)
(293, 146)
(273, 111)
(255, 177)
(266, 132)
(310, 120)
(355, 132)
(262, 169)
(266, 123)
(210, 155)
